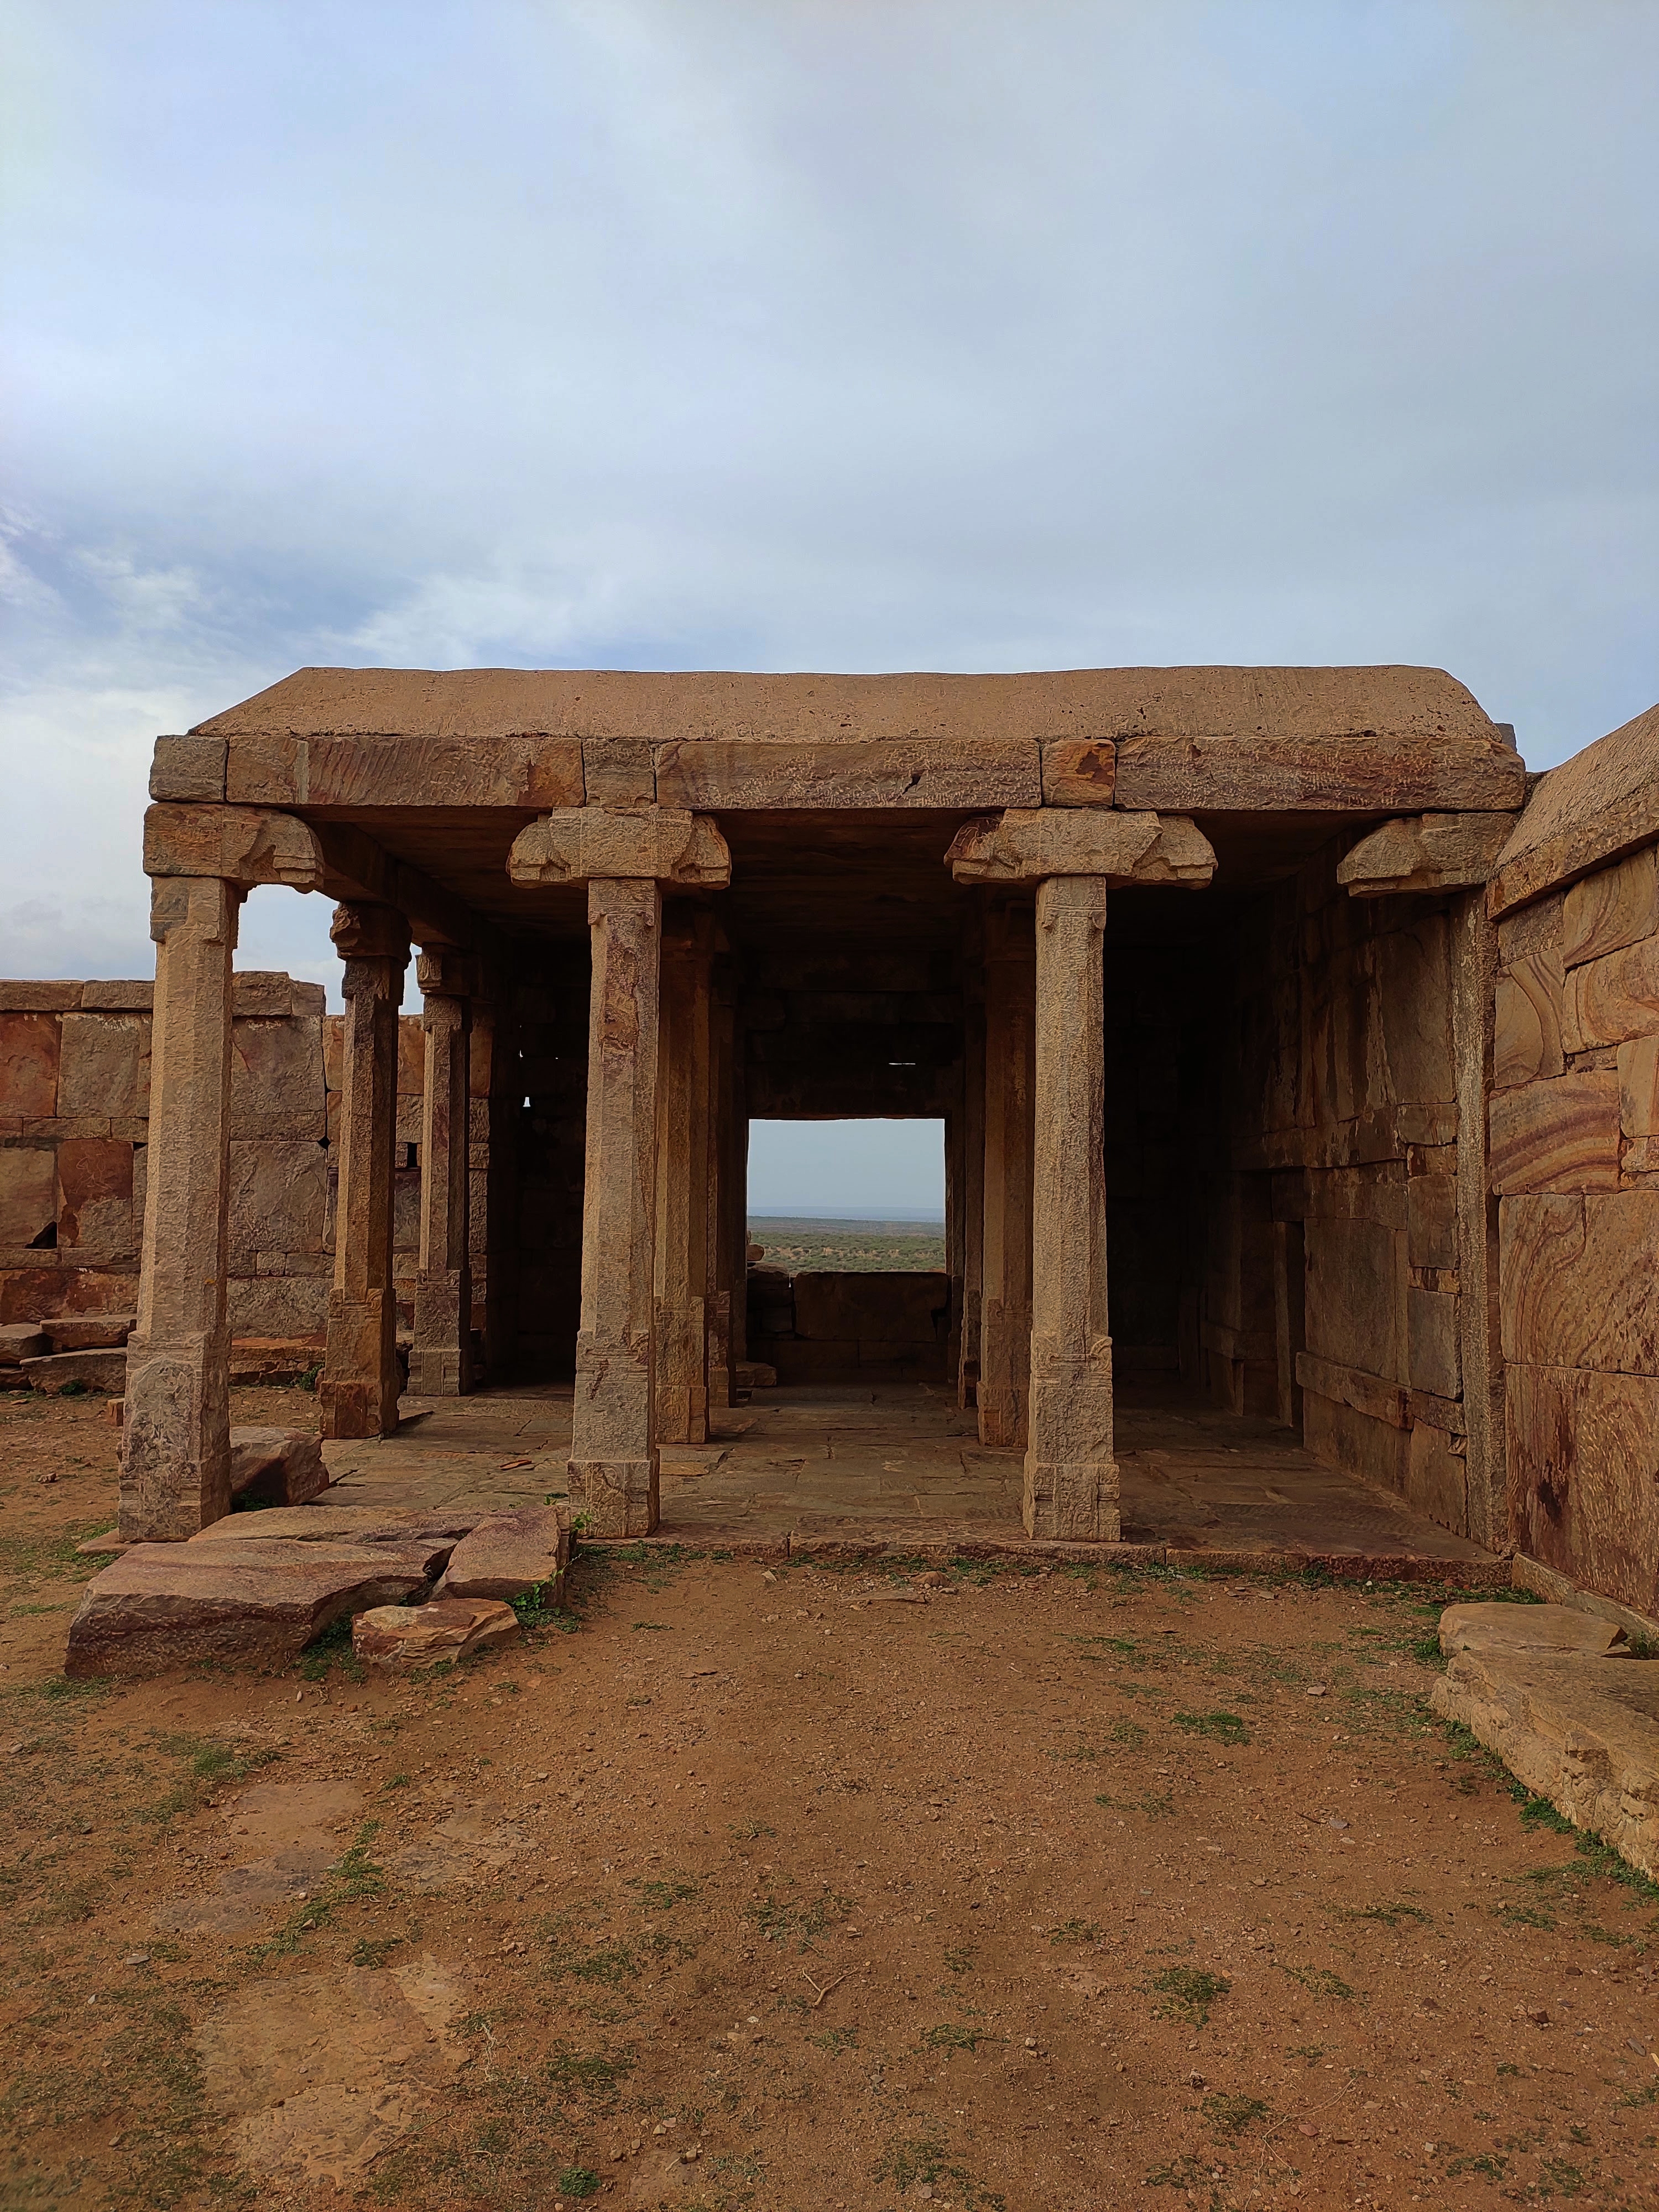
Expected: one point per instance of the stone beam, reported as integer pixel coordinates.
(1030, 845)
(1359, 773)
(358, 871)
(1425, 853)
(766, 774)
(597, 844)
(239, 845)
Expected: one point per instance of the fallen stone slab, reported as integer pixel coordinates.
(471, 1842)
(509, 1554)
(347, 1524)
(90, 1332)
(447, 1628)
(754, 1375)
(281, 1466)
(238, 1603)
(104, 1372)
(21, 1341)
(1574, 1730)
(275, 1359)
(1560, 1630)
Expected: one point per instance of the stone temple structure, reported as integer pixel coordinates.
(1288, 1048)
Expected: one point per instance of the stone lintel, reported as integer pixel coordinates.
(1030, 844)
(362, 932)
(443, 973)
(242, 845)
(1425, 853)
(595, 843)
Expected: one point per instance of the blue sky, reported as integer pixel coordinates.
(816, 333)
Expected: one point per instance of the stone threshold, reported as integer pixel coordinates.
(935, 1549)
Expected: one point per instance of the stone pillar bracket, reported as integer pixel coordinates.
(582, 844)
(1425, 853)
(442, 973)
(242, 845)
(1030, 844)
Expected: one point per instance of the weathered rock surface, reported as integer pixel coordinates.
(243, 1602)
(468, 1843)
(348, 1524)
(447, 1628)
(317, 2074)
(1545, 1630)
(89, 1331)
(1581, 1733)
(509, 1554)
(21, 1341)
(102, 1371)
(284, 1465)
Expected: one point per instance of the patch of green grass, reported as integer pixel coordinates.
(209, 1767)
(1186, 2173)
(539, 1606)
(608, 1962)
(1491, 2164)
(913, 2161)
(947, 2036)
(354, 1878)
(750, 1832)
(1318, 1981)
(1130, 1733)
(835, 2040)
(1186, 1993)
(959, 1961)
(374, 1950)
(578, 2181)
(594, 2077)
(331, 1649)
(661, 1625)
(781, 1919)
(1219, 1728)
(1230, 2116)
(1523, 1915)
(1390, 1916)
(1155, 1807)
(662, 1896)
(1075, 1931)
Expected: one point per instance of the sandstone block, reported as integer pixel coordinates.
(274, 1359)
(1355, 1303)
(1558, 1134)
(1437, 1476)
(276, 1079)
(29, 1048)
(283, 1466)
(1579, 1287)
(1412, 984)
(278, 1202)
(1432, 1342)
(437, 1529)
(861, 773)
(1431, 1221)
(1392, 774)
(1078, 772)
(24, 996)
(288, 1311)
(618, 772)
(100, 1371)
(1581, 1471)
(1030, 844)
(95, 1216)
(1425, 851)
(239, 844)
(589, 844)
(1611, 909)
(1527, 1020)
(903, 1307)
(29, 1195)
(1576, 1730)
(447, 1628)
(188, 767)
(1639, 1086)
(100, 1332)
(1613, 998)
(507, 1554)
(1559, 1631)
(123, 995)
(241, 1600)
(21, 1341)
(105, 1065)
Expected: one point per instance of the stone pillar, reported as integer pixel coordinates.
(441, 1358)
(723, 1263)
(682, 1261)
(613, 1446)
(1475, 971)
(362, 1381)
(972, 1180)
(1005, 1255)
(1071, 1476)
(175, 1456)
(497, 1116)
(737, 1202)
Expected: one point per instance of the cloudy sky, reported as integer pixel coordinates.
(862, 334)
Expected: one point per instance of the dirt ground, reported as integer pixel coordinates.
(798, 1888)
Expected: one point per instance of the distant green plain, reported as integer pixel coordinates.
(799, 1242)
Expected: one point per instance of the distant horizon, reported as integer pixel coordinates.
(849, 1213)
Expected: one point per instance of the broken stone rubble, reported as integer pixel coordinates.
(444, 1628)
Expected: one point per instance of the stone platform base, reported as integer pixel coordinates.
(1582, 1732)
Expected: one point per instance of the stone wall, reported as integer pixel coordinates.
(1575, 1162)
(1331, 1291)
(73, 1121)
(816, 1327)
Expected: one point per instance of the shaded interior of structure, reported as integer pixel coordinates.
(849, 951)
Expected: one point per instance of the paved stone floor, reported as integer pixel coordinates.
(836, 1461)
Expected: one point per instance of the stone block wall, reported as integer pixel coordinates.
(73, 1123)
(1330, 1298)
(1574, 1124)
(818, 1326)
